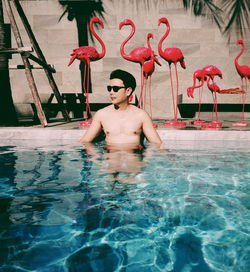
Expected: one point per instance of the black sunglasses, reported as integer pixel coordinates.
(115, 88)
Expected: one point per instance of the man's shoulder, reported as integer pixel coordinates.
(135, 108)
(138, 111)
(104, 111)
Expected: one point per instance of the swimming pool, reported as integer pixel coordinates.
(65, 208)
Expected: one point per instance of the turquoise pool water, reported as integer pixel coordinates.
(65, 208)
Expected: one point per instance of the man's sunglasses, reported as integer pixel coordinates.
(115, 88)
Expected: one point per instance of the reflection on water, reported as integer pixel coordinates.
(123, 163)
(70, 208)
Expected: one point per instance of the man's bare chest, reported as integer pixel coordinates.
(123, 124)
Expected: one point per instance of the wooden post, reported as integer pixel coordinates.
(42, 58)
(28, 71)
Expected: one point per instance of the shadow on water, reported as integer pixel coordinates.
(7, 185)
(189, 256)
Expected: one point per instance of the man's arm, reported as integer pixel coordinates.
(93, 130)
(149, 131)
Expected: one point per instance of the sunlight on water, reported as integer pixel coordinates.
(183, 208)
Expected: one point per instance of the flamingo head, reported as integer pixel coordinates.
(212, 71)
(97, 20)
(190, 92)
(200, 75)
(125, 22)
(163, 20)
(150, 35)
(155, 58)
(239, 42)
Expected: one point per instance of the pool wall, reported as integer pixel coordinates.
(165, 134)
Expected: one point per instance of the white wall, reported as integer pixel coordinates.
(200, 41)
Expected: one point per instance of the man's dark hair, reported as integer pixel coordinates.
(127, 78)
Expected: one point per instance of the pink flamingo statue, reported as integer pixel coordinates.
(87, 54)
(171, 55)
(200, 76)
(145, 69)
(148, 69)
(244, 72)
(138, 54)
(211, 71)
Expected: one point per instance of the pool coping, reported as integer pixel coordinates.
(27, 133)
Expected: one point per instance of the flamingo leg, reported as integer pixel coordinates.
(213, 110)
(172, 89)
(245, 94)
(244, 88)
(175, 122)
(242, 122)
(199, 107)
(216, 106)
(85, 85)
(150, 100)
(145, 93)
(200, 98)
(177, 92)
(87, 92)
(214, 124)
(150, 97)
(140, 102)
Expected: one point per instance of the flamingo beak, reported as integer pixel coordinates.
(190, 92)
(121, 25)
(72, 59)
(157, 61)
(101, 24)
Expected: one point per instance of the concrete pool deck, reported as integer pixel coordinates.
(70, 131)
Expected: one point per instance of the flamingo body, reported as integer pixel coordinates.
(89, 53)
(200, 75)
(212, 71)
(244, 72)
(172, 54)
(148, 66)
(213, 87)
(138, 54)
(85, 54)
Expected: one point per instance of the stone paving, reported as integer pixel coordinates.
(59, 129)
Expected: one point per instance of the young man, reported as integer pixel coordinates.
(123, 123)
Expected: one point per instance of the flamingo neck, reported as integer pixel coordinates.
(127, 56)
(163, 38)
(148, 43)
(103, 52)
(208, 83)
(236, 61)
(198, 86)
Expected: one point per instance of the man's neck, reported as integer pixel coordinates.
(121, 107)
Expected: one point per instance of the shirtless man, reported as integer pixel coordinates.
(122, 122)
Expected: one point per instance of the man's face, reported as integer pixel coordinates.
(122, 94)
